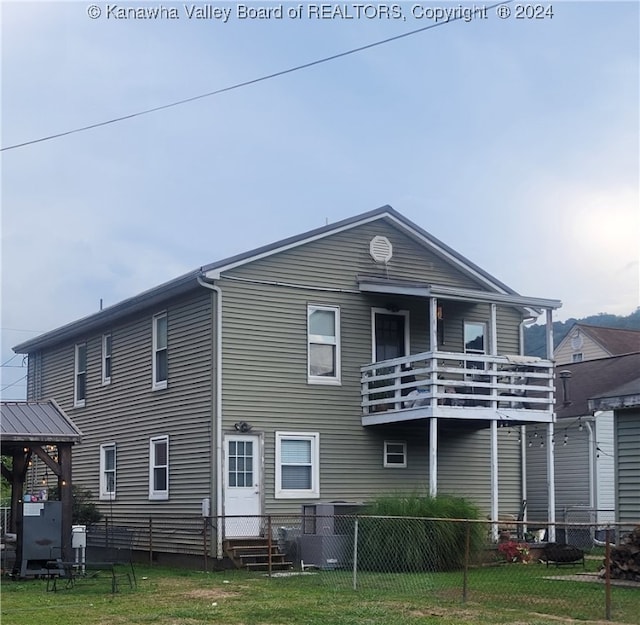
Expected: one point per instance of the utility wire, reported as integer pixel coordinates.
(4, 388)
(253, 81)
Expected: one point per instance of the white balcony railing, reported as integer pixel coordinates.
(447, 383)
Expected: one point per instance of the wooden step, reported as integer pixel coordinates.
(254, 554)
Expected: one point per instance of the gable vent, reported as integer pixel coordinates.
(381, 249)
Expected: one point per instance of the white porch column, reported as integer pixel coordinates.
(551, 482)
(433, 456)
(494, 478)
(433, 324)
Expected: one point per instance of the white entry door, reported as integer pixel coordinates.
(243, 485)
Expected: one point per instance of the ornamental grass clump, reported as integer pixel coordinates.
(411, 533)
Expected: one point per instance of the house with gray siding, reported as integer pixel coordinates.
(624, 401)
(361, 358)
(585, 443)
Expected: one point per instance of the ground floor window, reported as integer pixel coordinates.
(159, 468)
(395, 454)
(108, 471)
(297, 465)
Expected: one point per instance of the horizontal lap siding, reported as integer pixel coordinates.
(628, 466)
(265, 359)
(571, 462)
(127, 412)
(464, 467)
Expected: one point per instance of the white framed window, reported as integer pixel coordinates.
(323, 344)
(577, 357)
(475, 342)
(159, 468)
(297, 465)
(80, 377)
(160, 369)
(108, 471)
(395, 454)
(106, 359)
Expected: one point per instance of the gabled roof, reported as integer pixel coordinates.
(213, 271)
(614, 341)
(36, 421)
(593, 378)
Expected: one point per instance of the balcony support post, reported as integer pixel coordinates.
(433, 457)
(494, 479)
(551, 482)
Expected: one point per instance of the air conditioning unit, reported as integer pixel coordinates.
(327, 534)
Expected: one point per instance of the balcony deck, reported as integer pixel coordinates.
(450, 385)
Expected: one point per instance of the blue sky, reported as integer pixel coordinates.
(515, 142)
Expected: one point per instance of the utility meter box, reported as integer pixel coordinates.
(78, 536)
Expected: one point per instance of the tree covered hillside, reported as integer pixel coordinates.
(534, 336)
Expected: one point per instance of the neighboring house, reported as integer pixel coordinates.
(584, 444)
(589, 342)
(624, 401)
(360, 358)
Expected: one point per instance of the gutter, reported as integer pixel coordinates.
(218, 407)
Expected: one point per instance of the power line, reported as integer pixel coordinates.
(290, 70)
(4, 388)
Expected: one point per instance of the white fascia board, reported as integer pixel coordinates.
(453, 293)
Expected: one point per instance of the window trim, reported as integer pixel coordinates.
(157, 495)
(106, 495)
(314, 491)
(394, 465)
(156, 384)
(106, 357)
(79, 402)
(321, 340)
(485, 337)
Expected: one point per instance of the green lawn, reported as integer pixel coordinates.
(511, 594)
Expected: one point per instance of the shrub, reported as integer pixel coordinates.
(421, 541)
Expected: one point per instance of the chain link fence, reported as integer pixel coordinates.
(436, 561)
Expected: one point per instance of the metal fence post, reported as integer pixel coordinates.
(607, 575)
(269, 547)
(467, 550)
(150, 541)
(355, 554)
(205, 529)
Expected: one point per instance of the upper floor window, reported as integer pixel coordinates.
(80, 381)
(297, 465)
(323, 349)
(160, 351)
(106, 359)
(395, 454)
(475, 342)
(108, 471)
(576, 357)
(159, 468)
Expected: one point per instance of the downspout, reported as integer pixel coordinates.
(592, 464)
(218, 407)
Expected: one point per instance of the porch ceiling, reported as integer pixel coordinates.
(424, 289)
